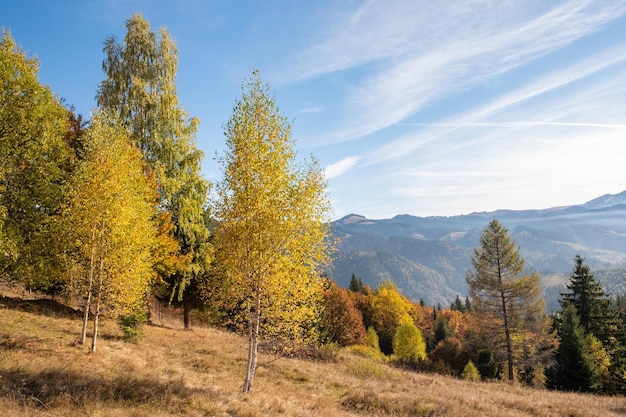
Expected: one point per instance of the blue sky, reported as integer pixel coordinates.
(412, 107)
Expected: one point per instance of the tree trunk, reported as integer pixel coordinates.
(507, 335)
(92, 261)
(186, 312)
(83, 334)
(97, 313)
(253, 344)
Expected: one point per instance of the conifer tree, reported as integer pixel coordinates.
(273, 226)
(591, 303)
(575, 368)
(356, 284)
(140, 91)
(600, 323)
(508, 302)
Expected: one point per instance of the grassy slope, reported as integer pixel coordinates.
(173, 372)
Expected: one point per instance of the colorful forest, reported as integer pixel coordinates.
(112, 216)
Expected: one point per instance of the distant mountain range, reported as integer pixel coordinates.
(427, 257)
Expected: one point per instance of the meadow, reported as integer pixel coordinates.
(200, 372)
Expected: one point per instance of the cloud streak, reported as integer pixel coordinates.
(340, 167)
(420, 55)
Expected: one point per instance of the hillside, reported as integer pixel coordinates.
(427, 257)
(172, 372)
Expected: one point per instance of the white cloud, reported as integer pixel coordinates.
(422, 52)
(340, 167)
(564, 110)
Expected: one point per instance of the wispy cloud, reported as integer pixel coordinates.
(421, 53)
(556, 114)
(340, 167)
(312, 109)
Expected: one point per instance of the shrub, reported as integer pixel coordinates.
(470, 372)
(372, 339)
(130, 324)
(368, 352)
(486, 364)
(408, 343)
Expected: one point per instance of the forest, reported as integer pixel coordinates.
(112, 215)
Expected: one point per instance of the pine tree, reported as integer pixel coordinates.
(575, 368)
(273, 226)
(508, 302)
(600, 322)
(591, 303)
(356, 284)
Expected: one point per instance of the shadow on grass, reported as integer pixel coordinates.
(60, 387)
(44, 306)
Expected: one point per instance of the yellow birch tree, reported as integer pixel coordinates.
(111, 207)
(272, 226)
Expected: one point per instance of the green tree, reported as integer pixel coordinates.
(356, 284)
(372, 339)
(110, 210)
(486, 364)
(408, 343)
(592, 304)
(575, 368)
(470, 372)
(33, 161)
(273, 225)
(140, 90)
(509, 303)
(441, 332)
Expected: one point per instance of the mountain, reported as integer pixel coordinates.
(427, 257)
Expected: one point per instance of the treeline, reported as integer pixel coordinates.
(113, 212)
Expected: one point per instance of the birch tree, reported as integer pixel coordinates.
(140, 91)
(509, 303)
(273, 225)
(111, 206)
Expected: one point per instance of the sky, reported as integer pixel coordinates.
(429, 108)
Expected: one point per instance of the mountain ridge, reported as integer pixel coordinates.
(427, 257)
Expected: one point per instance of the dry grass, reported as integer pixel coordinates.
(172, 372)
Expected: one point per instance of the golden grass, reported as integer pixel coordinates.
(173, 372)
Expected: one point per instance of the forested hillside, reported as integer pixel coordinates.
(428, 257)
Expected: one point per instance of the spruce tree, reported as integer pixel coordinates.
(591, 303)
(575, 368)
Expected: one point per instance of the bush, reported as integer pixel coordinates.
(470, 372)
(486, 364)
(130, 324)
(372, 339)
(368, 352)
(408, 343)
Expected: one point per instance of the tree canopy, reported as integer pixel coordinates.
(140, 92)
(508, 302)
(33, 168)
(273, 224)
